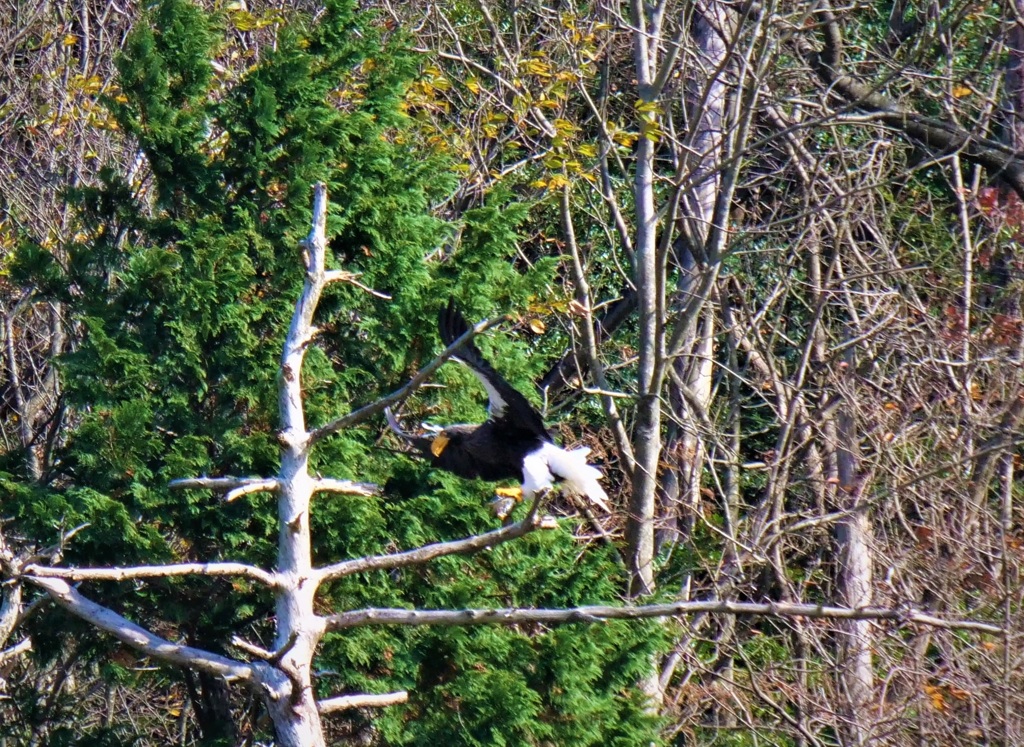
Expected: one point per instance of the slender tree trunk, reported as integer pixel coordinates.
(647, 435)
(853, 534)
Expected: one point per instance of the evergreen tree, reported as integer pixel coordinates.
(179, 295)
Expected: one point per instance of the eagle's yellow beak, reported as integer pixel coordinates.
(438, 444)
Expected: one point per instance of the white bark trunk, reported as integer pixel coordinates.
(854, 537)
(647, 435)
(299, 629)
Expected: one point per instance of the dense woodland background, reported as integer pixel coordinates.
(762, 257)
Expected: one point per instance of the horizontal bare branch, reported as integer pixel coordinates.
(239, 485)
(508, 616)
(141, 639)
(346, 487)
(368, 411)
(346, 702)
(154, 571)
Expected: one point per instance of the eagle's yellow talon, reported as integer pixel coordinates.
(515, 494)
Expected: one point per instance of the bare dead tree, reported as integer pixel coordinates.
(282, 677)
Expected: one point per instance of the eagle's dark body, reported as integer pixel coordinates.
(512, 443)
(481, 451)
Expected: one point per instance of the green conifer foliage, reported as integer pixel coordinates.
(179, 298)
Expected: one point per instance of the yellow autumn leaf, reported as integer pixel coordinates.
(70, 40)
(93, 84)
(558, 181)
(538, 184)
(959, 91)
(243, 20)
(474, 86)
(650, 131)
(537, 326)
(625, 138)
(537, 67)
(564, 126)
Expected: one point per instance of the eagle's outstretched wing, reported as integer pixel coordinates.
(507, 407)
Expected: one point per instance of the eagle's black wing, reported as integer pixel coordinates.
(507, 406)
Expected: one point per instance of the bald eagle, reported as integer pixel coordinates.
(512, 443)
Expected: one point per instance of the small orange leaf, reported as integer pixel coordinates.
(935, 695)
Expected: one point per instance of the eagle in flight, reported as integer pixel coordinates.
(511, 444)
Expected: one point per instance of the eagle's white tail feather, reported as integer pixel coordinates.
(551, 461)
